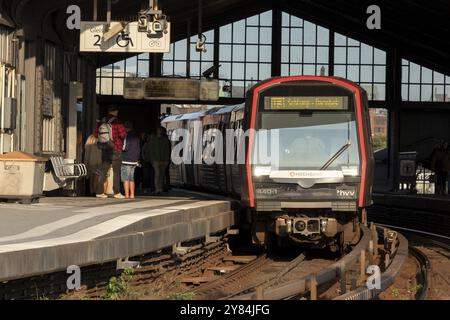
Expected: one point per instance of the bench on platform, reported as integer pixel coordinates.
(63, 172)
(67, 171)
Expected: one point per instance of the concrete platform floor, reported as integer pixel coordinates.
(58, 232)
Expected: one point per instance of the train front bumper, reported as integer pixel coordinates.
(285, 226)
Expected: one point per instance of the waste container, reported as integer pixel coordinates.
(21, 175)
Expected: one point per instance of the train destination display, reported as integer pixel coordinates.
(306, 103)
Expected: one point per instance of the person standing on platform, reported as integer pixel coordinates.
(160, 155)
(130, 160)
(93, 162)
(111, 134)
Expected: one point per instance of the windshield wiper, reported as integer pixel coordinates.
(336, 155)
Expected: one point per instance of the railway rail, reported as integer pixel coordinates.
(269, 276)
(429, 249)
(301, 277)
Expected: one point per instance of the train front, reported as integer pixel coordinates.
(309, 165)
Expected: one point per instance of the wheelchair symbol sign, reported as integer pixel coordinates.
(123, 40)
(130, 39)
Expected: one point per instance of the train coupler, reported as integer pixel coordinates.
(285, 226)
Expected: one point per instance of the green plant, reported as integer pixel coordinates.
(394, 292)
(117, 287)
(127, 274)
(183, 296)
(414, 289)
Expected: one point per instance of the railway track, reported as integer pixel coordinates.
(301, 277)
(262, 271)
(432, 251)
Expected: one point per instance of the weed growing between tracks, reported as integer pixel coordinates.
(157, 278)
(183, 296)
(118, 287)
(406, 286)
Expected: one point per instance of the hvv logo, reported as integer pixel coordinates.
(346, 193)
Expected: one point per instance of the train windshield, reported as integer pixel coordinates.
(317, 140)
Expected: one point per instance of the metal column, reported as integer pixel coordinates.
(393, 99)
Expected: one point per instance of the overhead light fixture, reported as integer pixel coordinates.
(201, 43)
(153, 21)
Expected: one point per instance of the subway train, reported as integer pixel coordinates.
(297, 154)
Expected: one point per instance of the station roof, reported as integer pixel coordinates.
(419, 30)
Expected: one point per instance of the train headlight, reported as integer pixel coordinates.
(261, 171)
(300, 225)
(324, 224)
(313, 226)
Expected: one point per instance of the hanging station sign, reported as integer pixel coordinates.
(171, 89)
(99, 36)
(133, 88)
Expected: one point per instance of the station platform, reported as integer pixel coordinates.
(428, 213)
(59, 232)
(422, 202)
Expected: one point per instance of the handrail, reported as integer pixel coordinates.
(387, 278)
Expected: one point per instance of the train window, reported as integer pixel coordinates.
(288, 140)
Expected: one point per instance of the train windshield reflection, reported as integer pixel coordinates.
(289, 141)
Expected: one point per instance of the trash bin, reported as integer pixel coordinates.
(21, 176)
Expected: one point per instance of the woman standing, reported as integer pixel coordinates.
(93, 161)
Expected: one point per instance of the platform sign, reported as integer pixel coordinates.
(133, 88)
(181, 89)
(209, 90)
(127, 39)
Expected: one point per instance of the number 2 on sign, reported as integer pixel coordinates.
(97, 43)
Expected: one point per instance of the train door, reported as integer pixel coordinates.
(223, 125)
(208, 172)
(238, 171)
(190, 176)
(181, 167)
(171, 125)
(229, 164)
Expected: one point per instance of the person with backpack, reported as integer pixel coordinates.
(111, 134)
(130, 160)
(93, 161)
